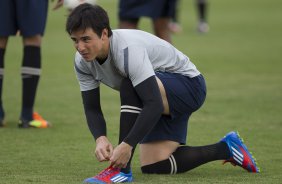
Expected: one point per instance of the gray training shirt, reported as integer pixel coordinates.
(134, 54)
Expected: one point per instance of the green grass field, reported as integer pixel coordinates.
(240, 58)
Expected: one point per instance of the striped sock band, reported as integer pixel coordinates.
(28, 72)
(173, 164)
(1, 73)
(131, 109)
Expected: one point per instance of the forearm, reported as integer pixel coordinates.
(93, 112)
(144, 124)
(96, 123)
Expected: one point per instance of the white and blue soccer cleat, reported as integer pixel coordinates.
(239, 154)
(110, 175)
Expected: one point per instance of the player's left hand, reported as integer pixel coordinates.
(121, 155)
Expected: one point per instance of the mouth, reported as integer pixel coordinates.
(84, 55)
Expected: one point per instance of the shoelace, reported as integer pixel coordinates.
(107, 173)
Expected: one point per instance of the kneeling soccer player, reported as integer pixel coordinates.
(159, 90)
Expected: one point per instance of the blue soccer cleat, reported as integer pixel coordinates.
(110, 175)
(239, 154)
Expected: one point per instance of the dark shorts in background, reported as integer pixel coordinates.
(134, 9)
(28, 16)
(185, 95)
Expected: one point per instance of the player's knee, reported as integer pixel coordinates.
(32, 40)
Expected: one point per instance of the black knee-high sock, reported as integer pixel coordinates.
(202, 10)
(31, 69)
(2, 54)
(186, 158)
(130, 108)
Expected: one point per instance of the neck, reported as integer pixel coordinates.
(105, 51)
(101, 60)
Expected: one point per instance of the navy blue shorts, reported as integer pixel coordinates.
(132, 10)
(28, 16)
(185, 95)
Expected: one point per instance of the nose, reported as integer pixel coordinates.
(80, 46)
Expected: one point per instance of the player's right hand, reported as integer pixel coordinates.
(104, 149)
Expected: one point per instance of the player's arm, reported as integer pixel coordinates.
(149, 93)
(140, 71)
(96, 123)
(137, 66)
(93, 112)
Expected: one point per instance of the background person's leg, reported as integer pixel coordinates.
(31, 70)
(3, 44)
(161, 28)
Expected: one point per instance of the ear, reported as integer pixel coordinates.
(104, 33)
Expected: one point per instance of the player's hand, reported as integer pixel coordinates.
(121, 155)
(104, 149)
(58, 4)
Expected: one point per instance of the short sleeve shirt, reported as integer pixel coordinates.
(133, 54)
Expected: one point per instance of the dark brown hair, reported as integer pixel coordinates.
(88, 16)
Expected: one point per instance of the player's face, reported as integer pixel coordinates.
(89, 44)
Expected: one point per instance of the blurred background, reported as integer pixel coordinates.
(240, 58)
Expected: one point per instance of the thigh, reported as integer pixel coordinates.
(7, 18)
(32, 16)
(156, 151)
(169, 129)
(164, 98)
(184, 94)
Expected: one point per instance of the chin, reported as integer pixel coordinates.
(88, 59)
